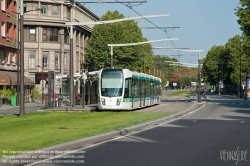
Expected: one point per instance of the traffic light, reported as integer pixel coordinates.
(199, 76)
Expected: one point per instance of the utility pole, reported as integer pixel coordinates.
(199, 87)
(22, 111)
(240, 76)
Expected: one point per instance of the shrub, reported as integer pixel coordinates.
(35, 93)
(7, 93)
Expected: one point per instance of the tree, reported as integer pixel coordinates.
(243, 13)
(132, 57)
(161, 65)
(184, 76)
(239, 60)
(214, 65)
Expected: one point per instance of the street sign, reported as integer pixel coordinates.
(43, 83)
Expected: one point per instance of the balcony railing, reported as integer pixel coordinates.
(6, 66)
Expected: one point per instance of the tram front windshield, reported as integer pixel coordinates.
(111, 83)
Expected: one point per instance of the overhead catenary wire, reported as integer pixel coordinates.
(130, 7)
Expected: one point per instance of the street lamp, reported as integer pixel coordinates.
(22, 111)
(240, 76)
(19, 50)
(42, 83)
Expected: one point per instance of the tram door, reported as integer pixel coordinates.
(144, 92)
(133, 87)
(140, 91)
(151, 93)
(142, 98)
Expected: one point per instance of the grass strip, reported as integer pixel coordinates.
(181, 93)
(43, 129)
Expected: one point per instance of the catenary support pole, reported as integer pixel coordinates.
(199, 70)
(71, 72)
(22, 109)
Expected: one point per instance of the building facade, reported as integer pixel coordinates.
(46, 41)
(46, 38)
(9, 49)
(8, 39)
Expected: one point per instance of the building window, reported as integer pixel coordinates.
(1, 56)
(13, 57)
(65, 61)
(32, 77)
(32, 59)
(3, 29)
(8, 57)
(45, 59)
(29, 34)
(55, 10)
(68, 12)
(50, 34)
(81, 40)
(57, 60)
(77, 38)
(24, 7)
(43, 8)
(77, 62)
(66, 36)
(3, 5)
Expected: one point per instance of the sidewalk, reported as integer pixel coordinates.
(8, 106)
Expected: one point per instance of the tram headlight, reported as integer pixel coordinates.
(103, 101)
(118, 102)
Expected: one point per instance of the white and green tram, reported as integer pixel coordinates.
(122, 89)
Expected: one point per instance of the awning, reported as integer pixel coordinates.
(10, 78)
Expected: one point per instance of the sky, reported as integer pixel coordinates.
(203, 23)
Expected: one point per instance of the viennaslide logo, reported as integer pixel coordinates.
(234, 155)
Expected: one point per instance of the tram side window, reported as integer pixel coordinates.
(134, 87)
(138, 88)
(142, 88)
(148, 88)
(128, 88)
(151, 88)
(154, 88)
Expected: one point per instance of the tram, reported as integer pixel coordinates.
(122, 89)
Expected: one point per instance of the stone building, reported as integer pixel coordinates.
(46, 38)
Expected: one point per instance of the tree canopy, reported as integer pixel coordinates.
(243, 13)
(97, 55)
(227, 63)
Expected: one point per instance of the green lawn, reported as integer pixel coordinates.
(43, 129)
(181, 93)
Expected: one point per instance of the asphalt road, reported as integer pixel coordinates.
(216, 134)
